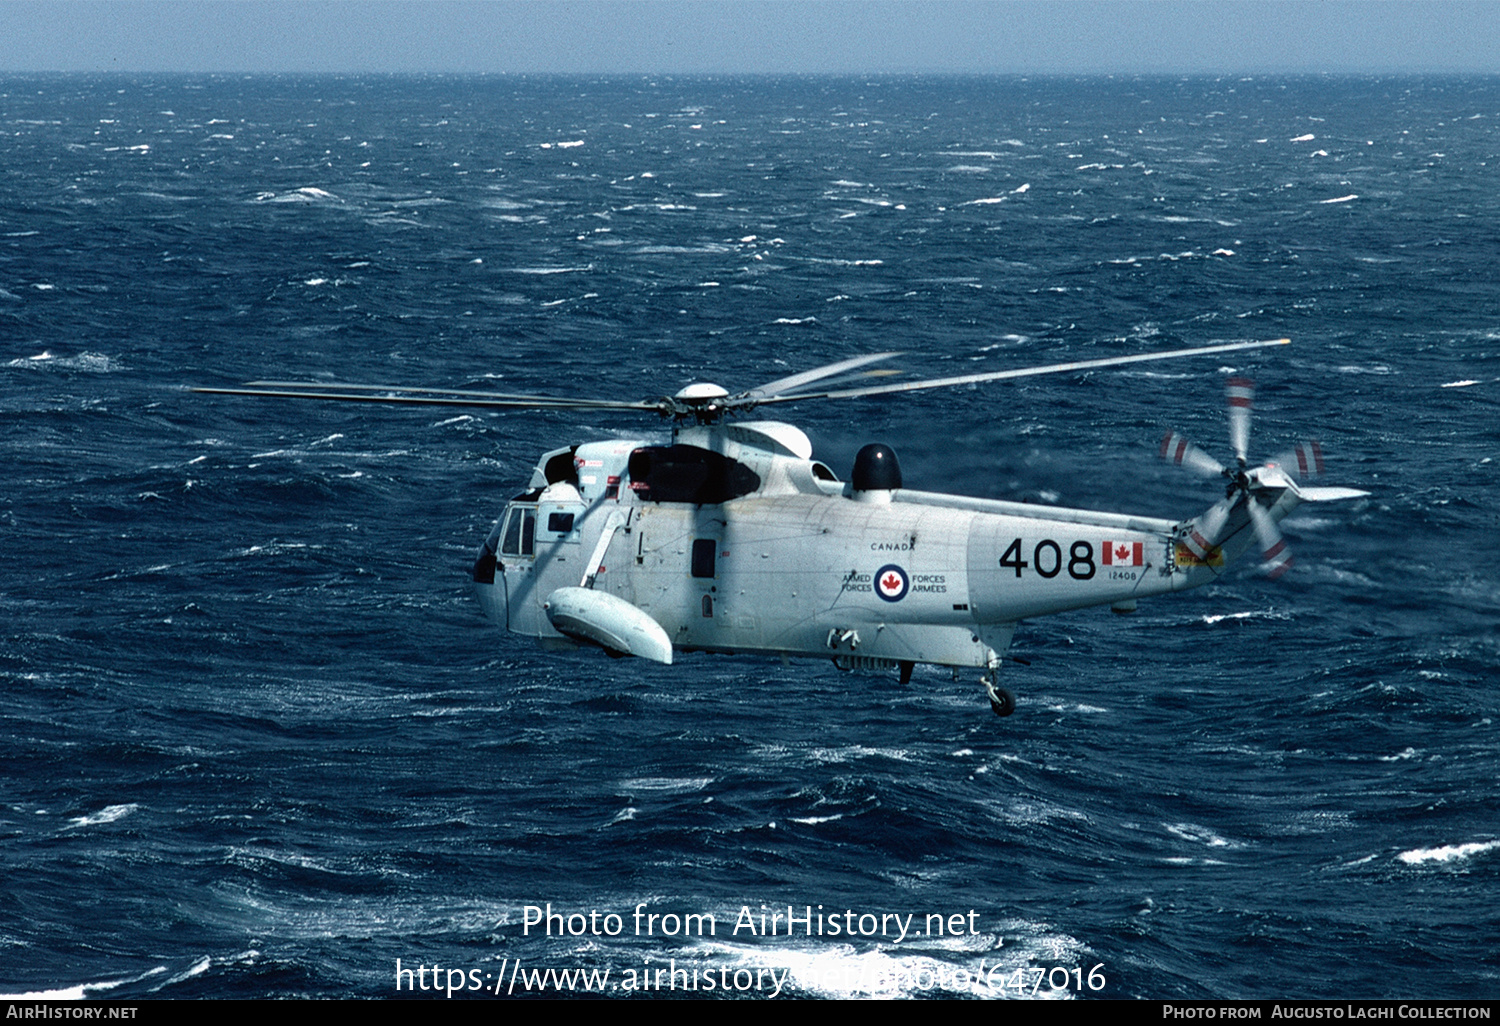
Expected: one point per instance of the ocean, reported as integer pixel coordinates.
(259, 741)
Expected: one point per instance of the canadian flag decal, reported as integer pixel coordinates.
(1122, 553)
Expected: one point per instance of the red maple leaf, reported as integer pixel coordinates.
(890, 582)
(1122, 553)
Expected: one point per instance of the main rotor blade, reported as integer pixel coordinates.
(1024, 372)
(787, 384)
(347, 386)
(450, 399)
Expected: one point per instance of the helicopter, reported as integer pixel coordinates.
(731, 538)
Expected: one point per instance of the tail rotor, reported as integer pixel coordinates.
(1241, 395)
(1256, 489)
(1178, 450)
(1273, 550)
(1304, 461)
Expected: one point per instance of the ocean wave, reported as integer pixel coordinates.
(108, 814)
(93, 363)
(1447, 853)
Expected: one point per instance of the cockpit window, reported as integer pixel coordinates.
(686, 473)
(520, 532)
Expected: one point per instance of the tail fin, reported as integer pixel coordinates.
(1198, 545)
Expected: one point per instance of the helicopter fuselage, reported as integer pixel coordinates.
(734, 540)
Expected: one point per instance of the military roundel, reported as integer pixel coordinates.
(891, 583)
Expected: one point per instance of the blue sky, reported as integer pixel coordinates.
(751, 36)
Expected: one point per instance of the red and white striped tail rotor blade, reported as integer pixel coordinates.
(1241, 394)
(1203, 536)
(1178, 450)
(1273, 549)
(1304, 461)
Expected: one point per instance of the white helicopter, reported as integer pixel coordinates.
(733, 539)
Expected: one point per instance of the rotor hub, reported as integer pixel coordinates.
(700, 393)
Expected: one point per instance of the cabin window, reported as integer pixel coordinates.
(708, 605)
(686, 473)
(559, 523)
(703, 556)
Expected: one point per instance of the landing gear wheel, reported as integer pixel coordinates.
(1001, 700)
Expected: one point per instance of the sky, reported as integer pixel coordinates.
(751, 36)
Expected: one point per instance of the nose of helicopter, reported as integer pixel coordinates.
(490, 587)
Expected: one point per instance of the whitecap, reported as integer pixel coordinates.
(95, 363)
(665, 785)
(1198, 834)
(1341, 199)
(108, 814)
(61, 994)
(1465, 383)
(1309, 137)
(1211, 618)
(983, 202)
(972, 964)
(858, 752)
(81, 991)
(197, 968)
(1447, 853)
